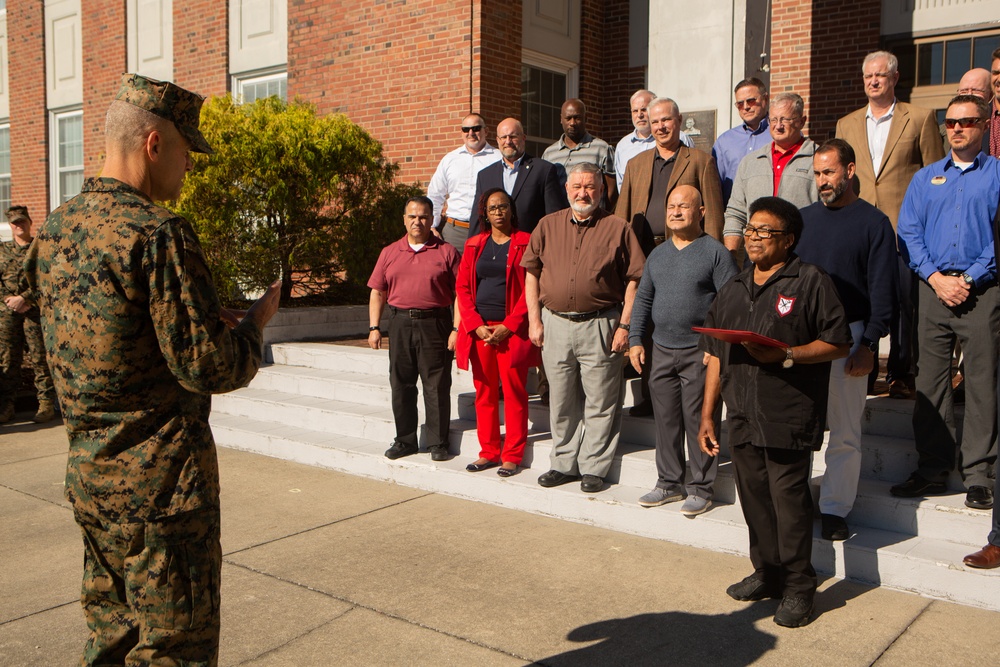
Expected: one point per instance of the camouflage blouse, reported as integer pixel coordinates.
(136, 345)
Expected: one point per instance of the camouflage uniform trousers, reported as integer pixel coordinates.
(151, 590)
(17, 331)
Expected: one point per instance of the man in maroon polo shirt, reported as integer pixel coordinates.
(416, 277)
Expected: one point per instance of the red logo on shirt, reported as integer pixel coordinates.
(784, 305)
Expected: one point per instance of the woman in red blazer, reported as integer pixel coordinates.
(493, 333)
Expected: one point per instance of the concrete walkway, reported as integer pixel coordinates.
(323, 568)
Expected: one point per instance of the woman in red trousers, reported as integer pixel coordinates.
(493, 333)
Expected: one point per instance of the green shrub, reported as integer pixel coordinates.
(288, 193)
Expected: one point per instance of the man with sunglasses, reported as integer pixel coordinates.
(454, 182)
(892, 140)
(735, 144)
(946, 232)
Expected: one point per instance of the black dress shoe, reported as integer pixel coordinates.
(591, 484)
(439, 454)
(479, 467)
(399, 450)
(979, 498)
(834, 527)
(554, 478)
(644, 409)
(752, 589)
(917, 485)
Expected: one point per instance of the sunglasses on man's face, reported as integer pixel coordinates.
(474, 128)
(964, 123)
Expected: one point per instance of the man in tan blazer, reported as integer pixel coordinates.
(892, 141)
(660, 171)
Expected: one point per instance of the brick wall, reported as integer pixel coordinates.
(827, 73)
(201, 46)
(28, 115)
(105, 57)
(497, 62)
(402, 70)
(619, 80)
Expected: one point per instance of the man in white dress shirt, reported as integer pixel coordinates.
(454, 182)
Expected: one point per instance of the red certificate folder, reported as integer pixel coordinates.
(737, 336)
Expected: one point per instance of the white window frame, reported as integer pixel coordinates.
(55, 169)
(256, 77)
(543, 61)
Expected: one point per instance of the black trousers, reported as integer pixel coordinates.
(773, 485)
(419, 348)
(900, 364)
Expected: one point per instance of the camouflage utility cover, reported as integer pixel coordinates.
(167, 100)
(135, 344)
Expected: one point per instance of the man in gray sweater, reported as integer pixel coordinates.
(682, 277)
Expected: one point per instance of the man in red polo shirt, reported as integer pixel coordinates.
(416, 277)
(782, 168)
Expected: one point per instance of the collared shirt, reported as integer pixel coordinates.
(767, 405)
(780, 160)
(946, 222)
(590, 149)
(656, 210)
(421, 280)
(455, 180)
(584, 266)
(510, 173)
(631, 145)
(734, 145)
(878, 134)
(12, 269)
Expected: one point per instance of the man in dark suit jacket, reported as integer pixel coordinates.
(679, 165)
(531, 182)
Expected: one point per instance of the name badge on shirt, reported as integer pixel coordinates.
(938, 180)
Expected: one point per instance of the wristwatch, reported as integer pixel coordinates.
(969, 280)
(788, 362)
(870, 344)
(622, 325)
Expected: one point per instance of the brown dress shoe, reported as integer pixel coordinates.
(986, 558)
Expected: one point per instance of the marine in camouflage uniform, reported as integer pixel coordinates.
(139, 341)
(19, 326)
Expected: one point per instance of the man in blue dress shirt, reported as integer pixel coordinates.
(946, 232)
(735, 144)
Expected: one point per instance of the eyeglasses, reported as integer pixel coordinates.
(783, 121)
(748, 102)
(474, 128)
(761, 232)
(964, 123)
(978, 92)
(509, 137)
(497, 208)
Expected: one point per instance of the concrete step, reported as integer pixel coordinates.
(919, 564)
(633, 466)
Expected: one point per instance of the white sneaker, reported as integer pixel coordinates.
(659, 496)
(695, 505)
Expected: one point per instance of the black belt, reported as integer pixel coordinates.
(582, 317)
(418, 314)
(954, 273)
